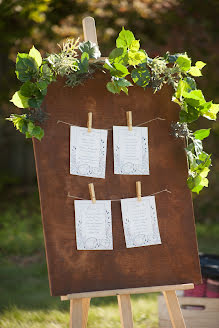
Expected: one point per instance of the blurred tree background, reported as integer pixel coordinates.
(174, 25)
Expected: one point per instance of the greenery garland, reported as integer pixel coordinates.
(78, 61)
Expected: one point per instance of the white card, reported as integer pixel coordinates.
(140, 222)
(88, 152)
(130, 150)
(93, 224)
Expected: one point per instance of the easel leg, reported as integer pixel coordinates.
(125, 310)
(174, 310)
(79, 312)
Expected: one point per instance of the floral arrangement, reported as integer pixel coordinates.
(78, 61)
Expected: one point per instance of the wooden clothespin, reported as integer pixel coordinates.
(89, 121)
(129, 120)
(138, 190)
(92, 192)
(89, 29)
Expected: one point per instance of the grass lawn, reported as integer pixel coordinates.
(25, 301)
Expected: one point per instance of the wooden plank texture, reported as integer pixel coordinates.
(198, 312)
(79, 312)
(125, 311)
(115, 292)
(175, 261)
(174, 309)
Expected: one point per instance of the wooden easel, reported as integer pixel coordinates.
(80, 302)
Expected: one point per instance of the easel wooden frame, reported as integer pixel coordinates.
(80, 302)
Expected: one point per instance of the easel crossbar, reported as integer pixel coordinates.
(126, 291)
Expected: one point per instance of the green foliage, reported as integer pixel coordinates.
(125, 39)
(90, 48)
(141, 76)
(201, 134)
(196, 70)
(26, 67)
(20, 100)
(35, 54)
(127, 53)
(35, 75)
(26, 126)
(118, 85)
(184, 62)
(83, 64)
(125, 63)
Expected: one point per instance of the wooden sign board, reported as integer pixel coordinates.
(175, 261)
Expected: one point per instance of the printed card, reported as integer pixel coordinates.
(140, 222)
(130, 150)
(88, 152)
(93, 224)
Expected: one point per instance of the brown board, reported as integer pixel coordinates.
(176, 260)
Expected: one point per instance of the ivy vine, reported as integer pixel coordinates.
(127, 64)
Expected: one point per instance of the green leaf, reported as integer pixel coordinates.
(198, 182)
(30, 127)
(211, 112)
(35, 102)
(173, 58)
(84, 57)
(195, 71)
(204, 160)
(201, 134)
(34, 92)
(84, 63)
(200, 64)
(141, 76)
(35, 54)
(124, 39)
(174, 99)
(123, 82)
(18, 120)
(135, 45)
(42, 87)
(136, 57)
(181, 88)
(185, 85)
(26, 126)
(90, 48)
(19, 100)
(26, 67)
(118, 85)
(194, 98)
(28, 89)
(184, 63)
(191, 83)
(37, 132)
(124, 89)
(191, 115)
(119, 70)
(112, 87)
(46, 73)
(118, 55)
(108, 65)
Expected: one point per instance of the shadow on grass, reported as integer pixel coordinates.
(27, 287)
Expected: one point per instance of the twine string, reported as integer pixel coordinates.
(153, 119)
(118, 200)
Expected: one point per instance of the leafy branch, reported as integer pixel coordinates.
(127, 64)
